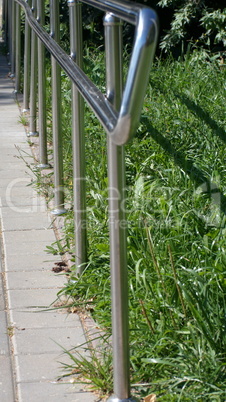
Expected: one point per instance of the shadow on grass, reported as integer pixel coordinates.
(195, 174)
(203, 115)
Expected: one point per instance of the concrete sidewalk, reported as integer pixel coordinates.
(29, 337)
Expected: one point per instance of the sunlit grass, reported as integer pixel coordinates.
(176, 231)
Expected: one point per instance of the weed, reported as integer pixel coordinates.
(10, 331)
(43, 183)
(23, 120)
(92, 366)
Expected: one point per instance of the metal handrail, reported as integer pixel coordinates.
(121, 125)
(118, 111)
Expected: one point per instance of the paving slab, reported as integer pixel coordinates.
(34, 318)
(26, 237)
(12, 174)
(22, 280)
(23, 247)
(51, 341)
(35, 392)
(6, 382)
(8, 182)
(11, 162)
(23, 219)
(32, 298)
(11, 198)
(21, 197)
(29, 261)
(51, 365)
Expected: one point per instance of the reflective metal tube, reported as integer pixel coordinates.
(125, 10)
(13, 37)
(9, 33)
(56, 116)
(117, 219)
(43, 156)
(118, 257)
(33, 80)
(18, 48)
(5, 21)
(27, 65)
(79, 184)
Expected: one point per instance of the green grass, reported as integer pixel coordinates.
(176, 204)
(92, 366)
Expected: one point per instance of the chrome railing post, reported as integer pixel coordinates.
(27, 65)
(4, 20)
(18, 48)
(2, 5)
(9, 31)
(56, 115)
(43, 155)
(33, 77)
(12, 38)
(78, 141)
(1, 16)
(117, 219)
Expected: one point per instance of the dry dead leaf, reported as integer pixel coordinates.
(150, 398)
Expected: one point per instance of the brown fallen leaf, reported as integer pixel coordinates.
(60, 266)
(57, 269)
(150, 398)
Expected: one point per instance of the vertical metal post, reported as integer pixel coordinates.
(1, 16)
(5, 20)
(56, 113)
(9, 32)
(6, 8)
(117, 220)
(43, 156)
(33, 83)
(12, 39)
(18, 48)
(27, 65)
(75, 16)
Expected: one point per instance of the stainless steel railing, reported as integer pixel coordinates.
(118, 111)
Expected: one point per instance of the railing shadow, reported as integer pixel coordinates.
(195, 174)
(203, 115)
